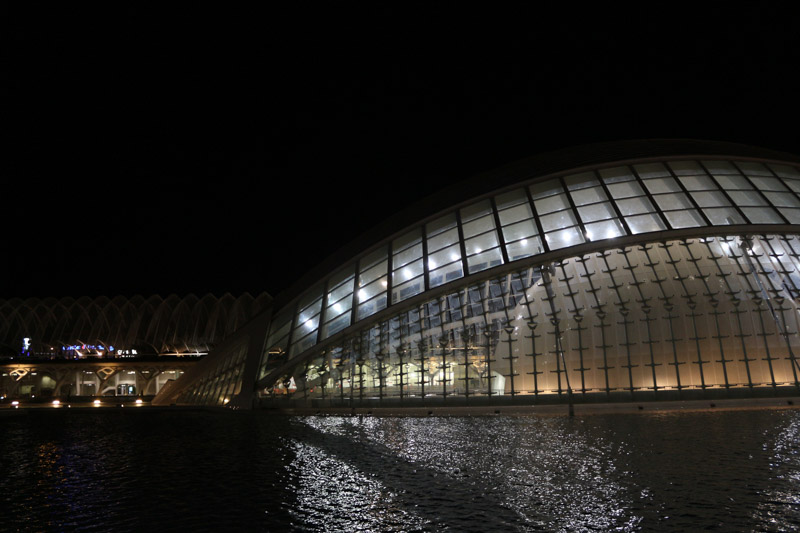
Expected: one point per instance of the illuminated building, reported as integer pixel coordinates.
(639, 270)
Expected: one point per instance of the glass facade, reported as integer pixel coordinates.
(715, 312)
(492, 298)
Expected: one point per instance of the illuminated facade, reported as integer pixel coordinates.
(639, 270)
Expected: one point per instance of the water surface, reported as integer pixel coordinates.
(92, 470)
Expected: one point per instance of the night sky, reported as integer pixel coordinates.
(194, 151)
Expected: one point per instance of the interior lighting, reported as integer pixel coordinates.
(362, 295)
(610, 234)
(454, 257)
(56, 403)
(337, 307)
(524, 242)
(138, 401)
(96, 403)
(431, 264)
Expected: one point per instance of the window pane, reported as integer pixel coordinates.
(372, 290)
(782, 199)
(768, 184)
(596, 212)
(443, 257)
(524, 248)
(371, 307)
(607, 229)
(635, 206)
(510, 199)
(662, 185)
(478, 226)
(407, 272)
(442, 240)
(720, 167)
(698, 183)
(792, 215)
(645, 223)
(552, 203)
(407, 290)
(543, 190)
(484, 260)
(625, 189)
(651, 170)
(521, 230)
(483, 242)
(515, 214)
(445, 274)
(581, 181)
(785, 171)
(733, 182)
(616, 174)
(559, 220)
(685, 168)
(751, 168)
(747, 198)
(440, 224)
(710, 199)
(474, 211)
(724, 216)
(406, 256)
(409, 239)
(762, 215)
(563, 238)
(588, 196)
(688, 218)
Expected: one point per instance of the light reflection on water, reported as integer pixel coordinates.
(169, 471)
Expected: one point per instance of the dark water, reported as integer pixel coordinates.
(142, 470)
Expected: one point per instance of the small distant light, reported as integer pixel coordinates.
(15, 402)
(56, 403)
(138, 401)
(96, 403)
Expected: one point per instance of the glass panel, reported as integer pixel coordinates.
(342, 291)
(751, 168)
(616, 174)
(733, 182)
(442, 239)
(552, 203)
(524, 248)
(581, 181)
(446, 274)
(515, 214)
(724, 216)
(474, 211)
(710, 199)
(524, 229)
(563, 238)
(407, 290)
(409, 271)
(673, 201)
(440, 224)
(484, 260)
(782, 199)
(762, 215)
(336, 309)
(545, 189)
(720, 167)
(635, 206)
(588, 196)
(688, 218)
(558, 220)
(480, 243)
(371, 307)
(698, 183)
(373, 289)
(793, 184)
(792, 215)
(625, 189)
(443, 257)
(662, 185)
(596, 212)
(409, 239)
(607, 229)
(785, 171)
(510, 199)
(747, 198)
(478, 226)
(406, 256)
(686, 168)
(651, 170)
(645, 223)
(768, 184)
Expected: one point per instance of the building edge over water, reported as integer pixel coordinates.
(663, 269)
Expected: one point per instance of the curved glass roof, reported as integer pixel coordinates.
(540, 216)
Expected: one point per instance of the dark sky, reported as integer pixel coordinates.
(217, 150)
